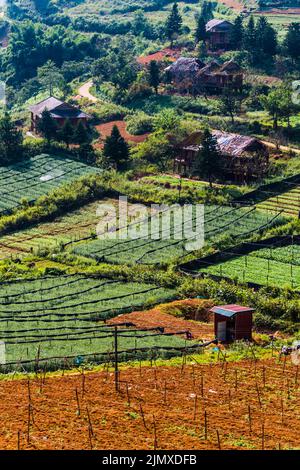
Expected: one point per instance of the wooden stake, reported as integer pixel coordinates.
(19, 440)
(127, 393)
(263, 436)
(202, 385)
(250, 419)
(83, 383)
(195, 407)
(218, 438)
(77, 400)
(155, 433)
(143, 417)
(205, 425)
(89, 419)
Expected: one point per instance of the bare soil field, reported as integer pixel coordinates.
(246, 405)
(155, 318)
(106, 128)
(165, 54)
(234, 4)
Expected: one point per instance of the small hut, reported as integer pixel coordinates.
(232, 322)
(219, 34)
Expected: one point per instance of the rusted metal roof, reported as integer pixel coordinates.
(231, 310)
(228, 143)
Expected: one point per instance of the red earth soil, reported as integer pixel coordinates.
(106, 128)
(154, 318)
(234, 4)
(168, 54)
(248, 405)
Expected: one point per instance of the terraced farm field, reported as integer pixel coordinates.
(35, 177)
(56, 317)
(287, 202)
(220, 222)
(71, 226)
(278, 267)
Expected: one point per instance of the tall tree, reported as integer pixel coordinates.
(50, 77)
(80, 135)
(207, 11)
(116, 149)
(200, 33)
(173, 24)
(237, 33)
(208, 160)
(250, 39)
(266, 37)
(292, 41)
(278, 103)
(47, 126)
(154, 75)
(230, 102)
(11, 141)
(66, 134)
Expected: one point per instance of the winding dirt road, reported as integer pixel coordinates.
(84, 91)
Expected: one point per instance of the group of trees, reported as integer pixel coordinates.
(11, 141)
(67, 134)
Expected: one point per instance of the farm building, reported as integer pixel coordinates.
(60, 112)
(232, 322)
(243, 157)
(193, 75)
(218, 34)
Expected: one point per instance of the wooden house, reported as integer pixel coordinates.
(59, 111)
(194, 76)
(243, 158)
(219, 34)
(232, 322)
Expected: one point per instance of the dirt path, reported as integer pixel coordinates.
(283, 148)
(84, 91)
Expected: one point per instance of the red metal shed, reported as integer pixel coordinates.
(232, 322)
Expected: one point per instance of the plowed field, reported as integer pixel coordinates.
(156, 407)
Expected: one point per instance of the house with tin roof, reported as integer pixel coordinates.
(243, 158)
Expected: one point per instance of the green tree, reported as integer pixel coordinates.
(230, 103)
(116, 149)
(207, 11)
(292, 41)
(278, 104)
(266, 37)
(200, 33)
(250, 39)
(154, 75)
(173, 24)
(66, 134)
(208, 161)
(11, 141)
(80, 135)
(46, 126)
(237, 33)
(50, 77)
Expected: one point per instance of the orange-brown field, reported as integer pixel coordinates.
(246, 405)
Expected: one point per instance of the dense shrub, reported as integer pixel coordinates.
(139, 124)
